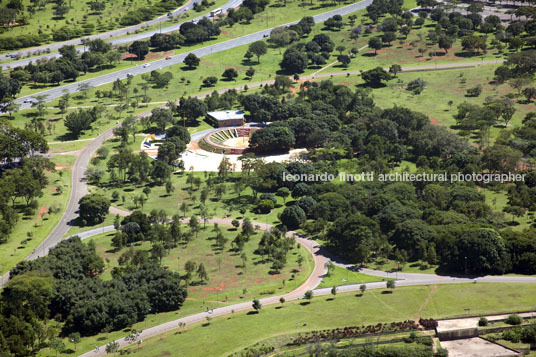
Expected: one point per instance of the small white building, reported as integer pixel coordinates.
(227, 118)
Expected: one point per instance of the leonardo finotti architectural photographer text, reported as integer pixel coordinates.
(406, 177)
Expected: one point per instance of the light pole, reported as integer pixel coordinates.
(465, 265)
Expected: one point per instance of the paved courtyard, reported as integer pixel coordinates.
(476, 347)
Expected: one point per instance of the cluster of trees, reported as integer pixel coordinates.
(66, 285)
(245, 13)
(78, 121)
(146, 13)
(69, 65)
(201, 31)
(9, 88)
(437, 223)
(22, 178)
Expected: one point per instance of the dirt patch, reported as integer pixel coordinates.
(378, 51)
(157, 55)
(62, 167)
(54, 189)
(433, 121)
(128, 55)
(221, 286)
(345, 83)
(42, 211)
(193, 145)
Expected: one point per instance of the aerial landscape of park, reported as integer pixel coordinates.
(250, 178)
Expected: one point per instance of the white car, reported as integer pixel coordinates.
(146, 65)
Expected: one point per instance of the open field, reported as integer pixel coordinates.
(341, 276)
(45, 21)
(32, 229)
(226, 283)
(225, 271)
(233, 333)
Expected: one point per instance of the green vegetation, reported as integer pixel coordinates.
(41, 22)
(34, 195)
(340, 276)
(232, 334)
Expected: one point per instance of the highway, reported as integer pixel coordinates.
(177, 59)
(115, 33)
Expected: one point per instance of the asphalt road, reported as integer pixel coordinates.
(163, 63)
(321, 257)
(115, 33)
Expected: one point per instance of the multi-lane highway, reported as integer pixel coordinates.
(204, 51)
(115, 33)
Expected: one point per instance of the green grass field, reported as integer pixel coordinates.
(44, 20)
(224, 269)
(226, 282)
(233, 333)
(31, 230)
(341, 276)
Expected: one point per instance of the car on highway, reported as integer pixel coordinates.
(29, 100)
(168, 57)
(146, 65)
(265, 35)
(130, 75)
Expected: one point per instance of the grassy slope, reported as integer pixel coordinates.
(40, 227)
(341, 276)
(230, 277)
(46, 21)
(225, 335)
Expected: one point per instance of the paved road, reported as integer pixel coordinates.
(177, 59)
(115, 33)
(321, 257)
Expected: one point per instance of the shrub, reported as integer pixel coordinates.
(474, 92)
(483, 322)
(513, 319)
(265, 206)
(512, 335)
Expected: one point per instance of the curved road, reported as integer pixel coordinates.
(177, 59)
(321, 257)
(114, 33)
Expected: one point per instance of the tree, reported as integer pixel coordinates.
(445, 43)
(112, 347)
(258, 48)
(334, 291)
(294, 61)
(256, 305)
(283, 192)
(230, 74)
(74, 338)
(292, 217)
(93, 208)
(394, 69)
(192, 108)
(344, 59)
(57, 345)
(210, 81)
(139, 48)
(388, 37)
(390, 284)
(363, 288)
(202, 273)
(375, 43)
(192, 61)
(374, 77)
(308, 295)
(282, 301)
(250, 72)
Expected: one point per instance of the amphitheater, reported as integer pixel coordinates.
(232, 141)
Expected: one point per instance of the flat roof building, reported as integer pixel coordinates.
(227, 118)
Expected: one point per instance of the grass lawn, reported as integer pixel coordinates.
(229, 277)
(341, 276)
(32, 229)
(233, 333)
(68, 146)
(442, 87)
(45, 21)
(224, 269)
